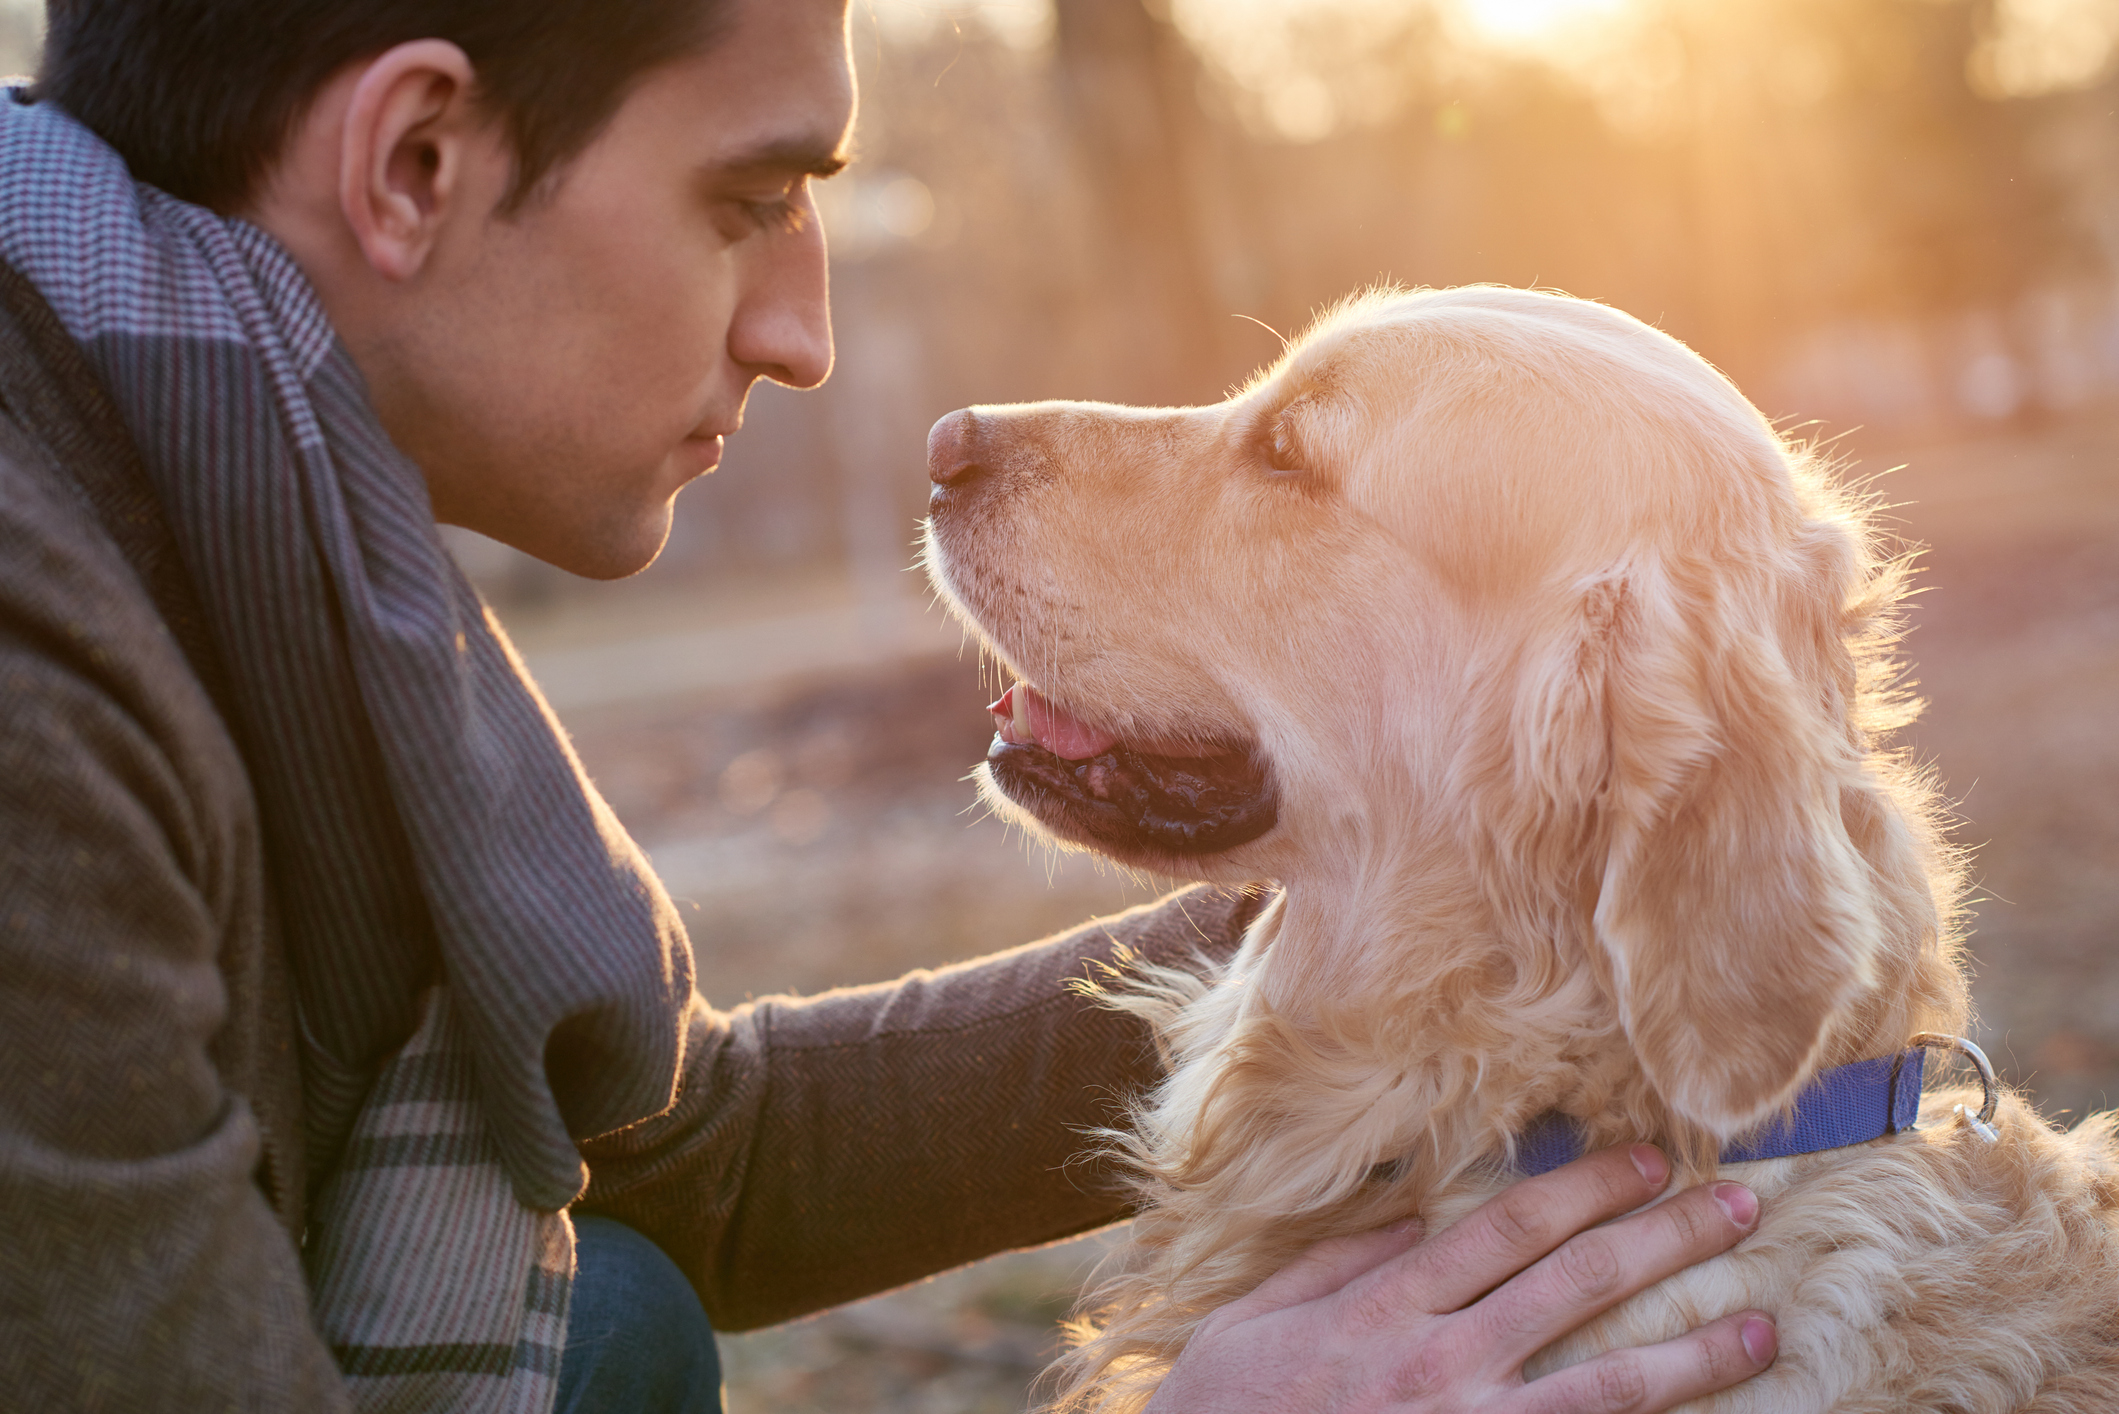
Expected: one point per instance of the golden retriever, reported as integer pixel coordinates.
(1554, 689)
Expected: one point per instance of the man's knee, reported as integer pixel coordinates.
(637, 1338)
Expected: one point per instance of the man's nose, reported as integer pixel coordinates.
(953, 450)
(782, 327)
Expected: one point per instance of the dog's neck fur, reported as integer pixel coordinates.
(1293, 1113)
(1436, 1066)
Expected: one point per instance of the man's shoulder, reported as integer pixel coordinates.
(55, 553)
(141, 989)
(87, 656)
(84, 545)
(68, 595)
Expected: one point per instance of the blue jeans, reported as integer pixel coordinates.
(638, 1341)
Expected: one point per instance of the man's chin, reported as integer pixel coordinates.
(616, 556)
(626, 541)
(612, 547)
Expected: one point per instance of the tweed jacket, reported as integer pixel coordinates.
(150, 1092)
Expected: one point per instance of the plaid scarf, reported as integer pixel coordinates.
(484, 966)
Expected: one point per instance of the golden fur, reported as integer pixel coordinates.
(1574, 682)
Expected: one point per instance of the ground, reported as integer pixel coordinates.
(807, 807)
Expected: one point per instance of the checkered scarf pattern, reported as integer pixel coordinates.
(484, 966)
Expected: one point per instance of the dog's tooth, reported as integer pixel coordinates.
(1020, 700)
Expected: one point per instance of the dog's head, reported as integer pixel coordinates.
(1487, 603)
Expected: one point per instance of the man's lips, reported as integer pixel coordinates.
(702, 451)
(1026, 717)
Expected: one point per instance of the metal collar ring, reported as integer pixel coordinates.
(1988, 1084)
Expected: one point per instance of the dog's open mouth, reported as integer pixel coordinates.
(1182, 798)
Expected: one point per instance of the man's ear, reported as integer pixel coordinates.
(412, 127)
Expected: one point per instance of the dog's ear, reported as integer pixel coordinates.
(1736, 913)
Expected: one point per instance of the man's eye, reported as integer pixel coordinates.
(1283, 451)
(786, 211)
(783, 215)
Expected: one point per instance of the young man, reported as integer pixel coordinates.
(328, 987)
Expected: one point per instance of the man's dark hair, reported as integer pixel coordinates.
(200, 95)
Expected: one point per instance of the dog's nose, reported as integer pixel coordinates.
(952, 449)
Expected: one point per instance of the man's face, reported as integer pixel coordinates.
(569, 367)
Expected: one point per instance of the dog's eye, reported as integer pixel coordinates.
(1284, 452)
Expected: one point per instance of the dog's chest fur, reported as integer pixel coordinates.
(1932, 1271)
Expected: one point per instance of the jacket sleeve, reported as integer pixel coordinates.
(143, 1268)
(827, 1148)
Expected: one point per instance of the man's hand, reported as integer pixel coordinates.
(1375, 1322)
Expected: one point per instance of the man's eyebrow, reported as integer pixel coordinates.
(795, 155)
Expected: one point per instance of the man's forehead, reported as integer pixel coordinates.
(775, 89)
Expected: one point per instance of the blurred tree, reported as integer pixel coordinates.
(1128, 82)
(1842, 162)
(1739, 170)
(1817, 194)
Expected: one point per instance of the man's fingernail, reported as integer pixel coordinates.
(1650, 1161)
(1760, 1339)
(1739, 1202)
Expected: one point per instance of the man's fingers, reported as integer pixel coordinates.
(1518, 1226)
(1321, 1270)
(1658, 1377)
(1596, 1270)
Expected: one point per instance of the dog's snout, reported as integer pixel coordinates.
(953, 449)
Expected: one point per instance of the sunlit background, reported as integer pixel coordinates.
(1875, 213)
(1894, 222)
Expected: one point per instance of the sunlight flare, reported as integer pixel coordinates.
(1528, 21)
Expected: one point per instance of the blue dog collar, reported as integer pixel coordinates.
(1849, 1104)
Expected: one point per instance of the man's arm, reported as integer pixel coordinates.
(827, 1148)
(141, 1267)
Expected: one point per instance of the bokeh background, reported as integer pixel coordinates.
(1894, 222)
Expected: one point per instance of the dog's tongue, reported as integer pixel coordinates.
(1024, 718)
